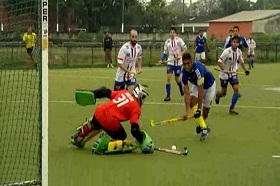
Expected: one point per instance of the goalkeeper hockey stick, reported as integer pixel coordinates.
(168, 121)
(185, 151)
(240, 73)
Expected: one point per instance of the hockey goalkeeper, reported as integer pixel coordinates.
(123, 106)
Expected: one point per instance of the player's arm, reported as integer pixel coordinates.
(146, 143)
(246, 48)
(184, 47)
(164, 54)
(194, 43)
(111, 43)
(221, 60)
(103, 92)
(139, 63)
(24, 37)
(187, 96)
(242, 64)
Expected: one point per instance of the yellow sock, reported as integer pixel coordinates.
(200, 121)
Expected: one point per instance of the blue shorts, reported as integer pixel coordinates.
(124, 84)
(176, 69)
(232, 80)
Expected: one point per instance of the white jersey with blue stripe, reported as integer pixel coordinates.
(230, 60)
(199, 71)
(173, 49)
(128, 55)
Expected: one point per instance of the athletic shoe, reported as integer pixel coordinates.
(232, 112)
(205, 133)
(108, 66)
(112, 66)
(167, 99)
(217, 99)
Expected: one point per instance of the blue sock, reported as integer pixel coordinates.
(252, 63)
(168, 89)
(234, 99)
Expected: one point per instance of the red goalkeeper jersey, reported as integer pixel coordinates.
(122, 107)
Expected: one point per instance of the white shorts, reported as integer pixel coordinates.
(208, 94)
(199, 56)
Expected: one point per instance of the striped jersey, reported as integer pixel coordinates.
(230, 60)
(128, 55)
(252, 46)
(173, 49)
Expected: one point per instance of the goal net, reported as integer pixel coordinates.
(20, 93)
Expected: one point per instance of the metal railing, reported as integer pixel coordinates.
(91, 54)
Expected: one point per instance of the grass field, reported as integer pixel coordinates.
(238, 151)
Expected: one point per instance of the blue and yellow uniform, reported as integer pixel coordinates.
(242, 43)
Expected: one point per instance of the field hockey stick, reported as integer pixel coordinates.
(168, 121)
(220, 48)
(165, 62)
(240, 73)
(185, 151)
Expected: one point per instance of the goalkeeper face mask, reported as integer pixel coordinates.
(140, 93)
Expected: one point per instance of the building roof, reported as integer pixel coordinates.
(196, 19)
(253, 15)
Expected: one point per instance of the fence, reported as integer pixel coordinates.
(91, 54)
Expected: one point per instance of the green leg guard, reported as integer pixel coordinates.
(101, 145)
(148, 145)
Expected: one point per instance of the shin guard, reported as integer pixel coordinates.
(200, 121)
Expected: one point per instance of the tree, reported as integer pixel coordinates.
(157, 16)
(205, 7)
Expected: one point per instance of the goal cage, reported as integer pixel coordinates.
(23, 92)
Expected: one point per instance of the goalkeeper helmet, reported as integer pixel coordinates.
(140, 93)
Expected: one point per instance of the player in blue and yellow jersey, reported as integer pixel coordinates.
(243, 45)
(174, 47)
(228, 63)
(198, 99)
(199, 46)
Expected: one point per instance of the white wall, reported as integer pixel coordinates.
(269, 26)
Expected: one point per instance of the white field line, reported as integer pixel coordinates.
(276, 156)
(143, 79)
(181, 104)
